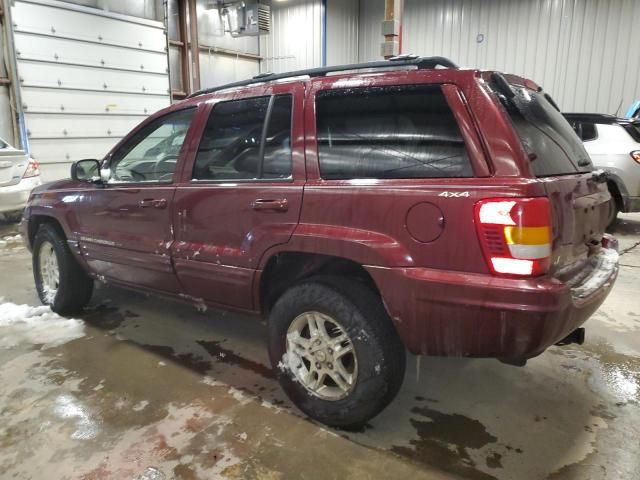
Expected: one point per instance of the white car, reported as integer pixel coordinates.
(614, 145)
(19, 174)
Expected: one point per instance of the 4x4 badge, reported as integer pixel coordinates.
(454, 194)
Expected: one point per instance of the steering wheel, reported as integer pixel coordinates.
(158, 171)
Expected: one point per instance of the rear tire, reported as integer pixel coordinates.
(60, 281)
(370, 377)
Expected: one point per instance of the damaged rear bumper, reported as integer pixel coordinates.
(466, 314)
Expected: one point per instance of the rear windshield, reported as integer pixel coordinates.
(552, 144)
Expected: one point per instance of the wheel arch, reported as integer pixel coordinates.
(284, 269)
(37, 220)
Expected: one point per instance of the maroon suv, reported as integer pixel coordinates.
(362, 209)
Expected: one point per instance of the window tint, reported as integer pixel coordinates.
(552, 144)
(588, 132)
(585, 130)
(277, 148)
(633, 129)
(232, 146)
(151, 155)
(389, 132)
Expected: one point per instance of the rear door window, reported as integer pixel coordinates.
(241, 143)
(389, 132)
(552, 145)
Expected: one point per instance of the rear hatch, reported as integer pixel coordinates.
(13, 163)
(579, 196)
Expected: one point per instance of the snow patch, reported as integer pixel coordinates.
(138, 407)
(23, 324)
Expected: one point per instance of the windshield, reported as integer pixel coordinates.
(552, 145)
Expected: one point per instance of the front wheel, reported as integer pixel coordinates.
(335, 351)
(60, 281)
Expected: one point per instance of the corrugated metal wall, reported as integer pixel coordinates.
(221, 68)
(581, 51)
(342, 31)
(295, 41)
(369, 34)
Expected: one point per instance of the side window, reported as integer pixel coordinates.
(237, 144)
(151, 155)
(389, 132)
(589, 132)
(586, 131)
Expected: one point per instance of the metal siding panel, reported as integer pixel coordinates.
(558, 43)
(30, 47)
(342, 31)
(296, 40)
(369, 30)
(86, 78)
(51, 22)
(217, 69)
(51, 75)
(80, 126)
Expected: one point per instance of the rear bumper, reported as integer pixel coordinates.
(464, 314)
(15, 197)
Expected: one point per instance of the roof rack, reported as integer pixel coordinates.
(399, 61)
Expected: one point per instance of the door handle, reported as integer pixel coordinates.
(153, 203)
(279, 205)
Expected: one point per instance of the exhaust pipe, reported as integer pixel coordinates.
(577, 336)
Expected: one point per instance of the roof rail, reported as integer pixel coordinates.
(400, 61)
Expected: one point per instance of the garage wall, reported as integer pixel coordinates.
(6, 123)
(295, 41)
(581, 51)
(86, 78)
(217, 68)
(342, 31)
(369, 30)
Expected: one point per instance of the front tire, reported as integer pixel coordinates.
(60, 281)
(612, 215)
(335, 351)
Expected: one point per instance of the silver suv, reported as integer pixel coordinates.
(613, 144)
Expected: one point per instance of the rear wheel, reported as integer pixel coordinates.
(335, 351)
(60, 281)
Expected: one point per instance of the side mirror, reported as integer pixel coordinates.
(87, 170)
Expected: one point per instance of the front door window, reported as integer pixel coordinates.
(151, 154)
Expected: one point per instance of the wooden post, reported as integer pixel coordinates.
(193, 45)
(391, 28)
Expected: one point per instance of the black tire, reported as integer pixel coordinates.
(380, 354)
(612, 216)
(13, 217)
(75, 286)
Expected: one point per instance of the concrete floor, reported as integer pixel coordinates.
(156, 390)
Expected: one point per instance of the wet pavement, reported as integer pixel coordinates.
(154, 389)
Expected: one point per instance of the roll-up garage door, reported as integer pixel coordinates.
(86, 77)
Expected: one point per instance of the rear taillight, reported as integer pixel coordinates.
(33, 169)
(635, 155)
(515, 234)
